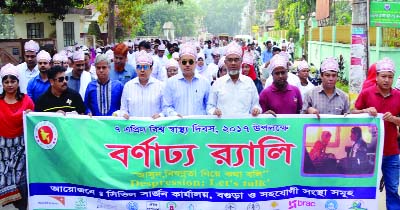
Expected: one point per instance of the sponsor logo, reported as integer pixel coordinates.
(48, 203)
(331, 205)
(358, 205)
(152, 206)
(387, 7)
(230, 206)
(274, 205)
(299, 203)
(46, 134)
(131, 205)
(191, 207)
(81, 203)
(102, 204)
(171, 205)
(253, 206)
(60, 199)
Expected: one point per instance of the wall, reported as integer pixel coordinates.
(20, 21)
(78, 28)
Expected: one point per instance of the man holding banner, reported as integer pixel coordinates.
(383, 99)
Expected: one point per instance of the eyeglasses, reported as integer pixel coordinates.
(191, 62)
(231, 60)
(61, 79)
(144, 67)
(277, 73)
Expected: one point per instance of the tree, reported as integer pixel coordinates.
(94, 29)
(58, 9)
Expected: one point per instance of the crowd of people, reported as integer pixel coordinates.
(162, 79)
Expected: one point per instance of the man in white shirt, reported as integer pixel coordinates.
(213, 67)
(303, 71)
(159, 62)
(29, 68)
(233, 93)
(290, 48)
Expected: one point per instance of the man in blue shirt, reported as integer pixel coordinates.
(40, 83)
(267, 54)
(103, 96)
(120, 69)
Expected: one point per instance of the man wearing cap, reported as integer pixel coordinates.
(60, 59)
(280, 97)
(131, 54)
(213, 67)
(59, 98)
(290, 48)
(303, 71)
(28, 69)
(78, 77)
(39, 84)
(327, 99)
(120, 69)
(233, 93)
(159, 62)
(292, 79)
(142, 96)
(207, 52)
(381, 98)
(103, 96)
(172, 68)
(89, 67)
(186, 93)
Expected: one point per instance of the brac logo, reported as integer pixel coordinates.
(298, 203)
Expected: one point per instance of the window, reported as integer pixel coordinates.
(35, 30)
(69, 38)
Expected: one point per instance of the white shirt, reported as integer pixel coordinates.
(292, 80)
(132, 59)
(207, 74)
(213, 68)
(158, 71)
(233, 98)
(142, 101)
(25, 75)
(305, 89)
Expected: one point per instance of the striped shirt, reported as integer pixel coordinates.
(142, 101)
(337, 104)
(184, 97)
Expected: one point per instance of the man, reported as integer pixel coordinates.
(159, 62)
(131, 53)
(142, 96)
(290, 48)
(207, 52)
(103, 96)
(280, 97)
(303, 72)
(327, 99)
(233, 93)
(359, 148)
(121, 70)
(172, 68)
(89, 67)
(213, 67)
(60, 59)
(39, 84)
(28, 69)
(266, 57)
(318, 152)
(383, 99)
(292, 79)
(59, 98)
(78, 77)
(186, 93)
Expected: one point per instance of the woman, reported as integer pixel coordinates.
(248, 70)
(12, 166)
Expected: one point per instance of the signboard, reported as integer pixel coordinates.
(288, 162)
(385, 14)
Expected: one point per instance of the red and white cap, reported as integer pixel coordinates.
(188, 49)
(386, 64)
(234, 48)
(172, 63)
(329, 64)
(247, 59)
(43, 55)
(31, 46)
(78, 56)
(9, 69)
(278, 61)
(302, 65)
(144, 58)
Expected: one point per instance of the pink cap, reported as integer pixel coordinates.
(329, 64)
(31, 46)
(386, 64)
(303, 65)
(9, 69)
(43, 55)
(202, 56)
(188, 49)
(78, 56)
(247, 59)
(221, 62)
(161, 47)
(144, 58)
(278, 61)
(216, 51)
(172, 63)
(233, 49)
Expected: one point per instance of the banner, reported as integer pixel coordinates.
(385, 14)
(288, 162)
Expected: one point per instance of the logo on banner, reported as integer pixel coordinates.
(331, 205)
(81, 203)
(274, 205)
(60, 199)
(171, 205)
(358, 205)
(230, 206)
(131, 205)
(102, 204)
(298, 203)
(46, 134)
(191, 207)
(253, 206)
(153, 206)
(387, 7)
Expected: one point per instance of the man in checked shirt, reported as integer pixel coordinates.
(327, 99)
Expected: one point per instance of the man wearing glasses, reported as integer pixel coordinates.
(233, 93)
(59, 98)
(28, 69)
(142, 96)
(187, 92)
(39, 84)
(289, 96)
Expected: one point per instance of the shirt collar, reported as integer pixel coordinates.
(379, 93)
(287, 88)
(151, 80)
(181, 77)
(321, 90)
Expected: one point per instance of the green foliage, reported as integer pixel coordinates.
(94, 29)
(288, 13)
(119, 34)
(293, 33)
